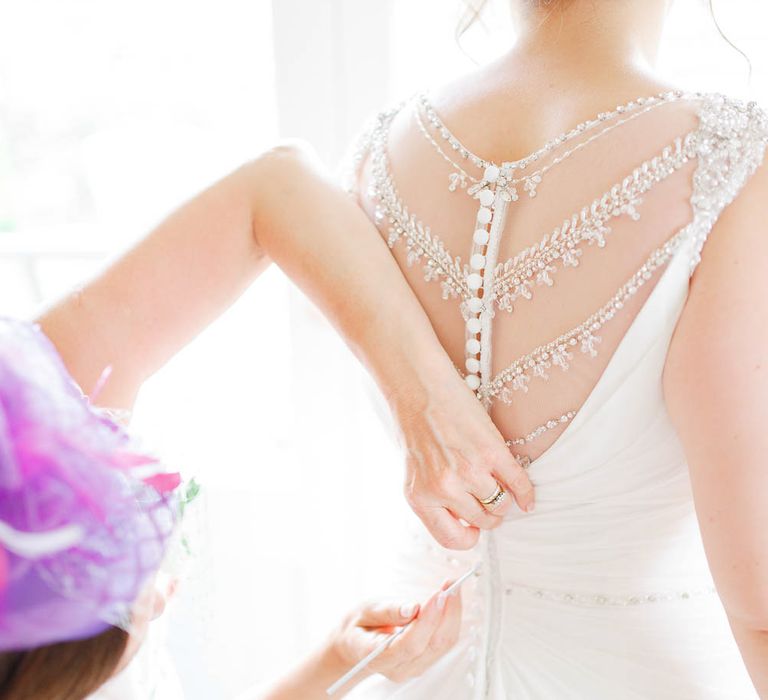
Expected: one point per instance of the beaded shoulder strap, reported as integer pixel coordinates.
(732, 141)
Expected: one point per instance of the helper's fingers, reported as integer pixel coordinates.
(415, 640)
(381, 615)
(444, 635)
(514, 478)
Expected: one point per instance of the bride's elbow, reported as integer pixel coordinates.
(286, 157)
(279, 174)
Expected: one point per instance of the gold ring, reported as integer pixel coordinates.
(495, 500)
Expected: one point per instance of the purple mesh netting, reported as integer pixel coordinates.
(80, 531)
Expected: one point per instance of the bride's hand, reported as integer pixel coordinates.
(433, 631)
(455, 457)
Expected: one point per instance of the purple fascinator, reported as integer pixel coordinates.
(84, 515)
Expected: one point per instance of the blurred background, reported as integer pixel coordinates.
(113, 113)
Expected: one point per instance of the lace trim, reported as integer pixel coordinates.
(516, 277)
(557, 353)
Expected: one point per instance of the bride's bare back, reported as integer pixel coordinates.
(633, 157)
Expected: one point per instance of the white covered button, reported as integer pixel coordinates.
(487, 198)
(473, 346)
(481, 236)
(485, 215)
(474, 325)
(474, 281)
(473, 381)
(492, 173)
(475, 305)
(477, 261)
(473, 365)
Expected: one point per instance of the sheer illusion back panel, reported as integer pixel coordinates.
(560, 287)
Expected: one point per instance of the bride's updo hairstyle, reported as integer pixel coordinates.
(473, 9)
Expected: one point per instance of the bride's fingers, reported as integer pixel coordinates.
(468, 508)
(446, 528)
(483, 488)
(514, 479)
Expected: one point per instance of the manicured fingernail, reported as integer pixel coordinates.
(409, 610)
(530, 507)
(441, 601)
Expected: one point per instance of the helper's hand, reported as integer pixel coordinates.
(433, 631)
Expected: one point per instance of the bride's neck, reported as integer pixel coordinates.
(590, 37)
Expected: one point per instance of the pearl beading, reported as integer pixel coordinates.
(456, 179)
(530, 182)
(540, 430)
(607, 600)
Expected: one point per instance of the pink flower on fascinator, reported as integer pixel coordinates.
(84, 515)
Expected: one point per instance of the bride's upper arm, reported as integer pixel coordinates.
(716, 386)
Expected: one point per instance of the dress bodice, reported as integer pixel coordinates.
(604, 591)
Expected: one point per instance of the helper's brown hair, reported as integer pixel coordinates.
(65, 671)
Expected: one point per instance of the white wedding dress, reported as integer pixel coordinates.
(604, 591)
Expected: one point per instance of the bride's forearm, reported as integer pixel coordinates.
(326, 244)
(753, 644)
